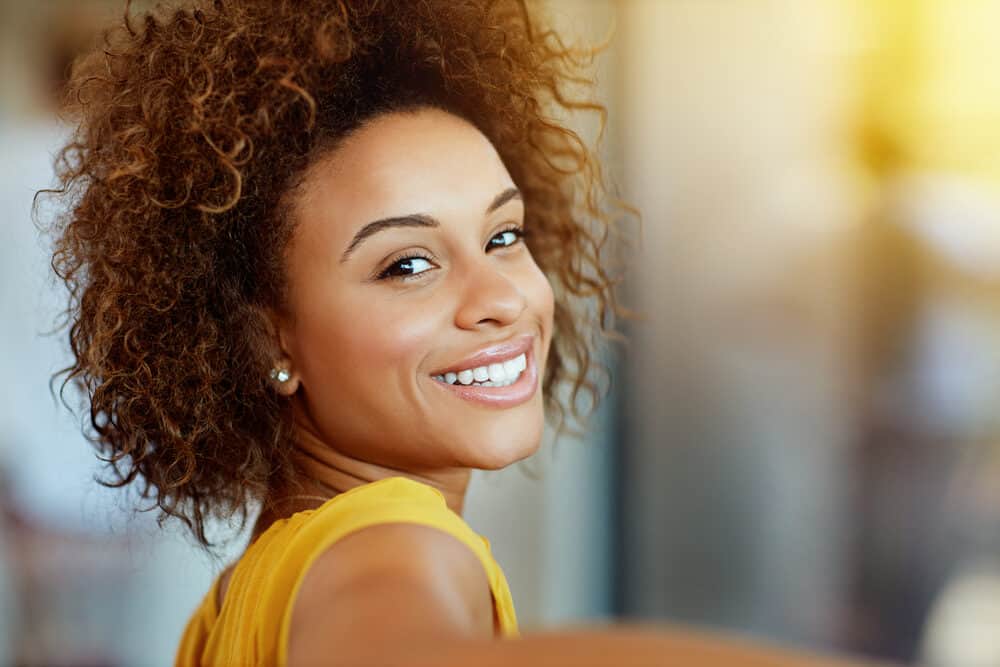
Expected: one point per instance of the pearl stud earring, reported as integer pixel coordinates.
(280, 374)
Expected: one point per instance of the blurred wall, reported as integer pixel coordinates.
(809, 443)
(737, 403)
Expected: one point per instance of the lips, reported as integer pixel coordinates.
(492, 354)
(507, 396)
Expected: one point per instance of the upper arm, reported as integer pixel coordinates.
(396, 582)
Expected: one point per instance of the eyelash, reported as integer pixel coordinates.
(519, 232)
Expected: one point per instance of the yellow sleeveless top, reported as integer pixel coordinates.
(252, 626)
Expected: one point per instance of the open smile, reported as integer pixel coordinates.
(501, 383)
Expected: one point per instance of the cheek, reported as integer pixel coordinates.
(542, 300)
(541, 297)
(363, 341)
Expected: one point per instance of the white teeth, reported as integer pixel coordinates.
(500, 374)
(497, 373)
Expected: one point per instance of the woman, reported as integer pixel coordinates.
(328, 257)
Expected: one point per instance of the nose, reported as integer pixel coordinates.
(489, 297)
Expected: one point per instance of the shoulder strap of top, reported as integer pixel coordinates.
(390, 500)
(197, 629)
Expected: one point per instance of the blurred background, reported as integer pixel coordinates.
(801, 441)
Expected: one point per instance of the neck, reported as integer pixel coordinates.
(325, 472)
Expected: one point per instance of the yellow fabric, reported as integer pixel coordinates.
(252, 626)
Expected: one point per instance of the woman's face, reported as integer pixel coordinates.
(375, 312)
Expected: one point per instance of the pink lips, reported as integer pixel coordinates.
(500, 397)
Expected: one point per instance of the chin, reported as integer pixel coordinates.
(502, 460)
(506, 446)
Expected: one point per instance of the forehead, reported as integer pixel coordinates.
(405, 162)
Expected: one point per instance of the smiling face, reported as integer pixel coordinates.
(406, 262)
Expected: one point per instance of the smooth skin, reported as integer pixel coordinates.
(366, 325)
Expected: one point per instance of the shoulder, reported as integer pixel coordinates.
(387, 559)
(386, 582)
(423, 557)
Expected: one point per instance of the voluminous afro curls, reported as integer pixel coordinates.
(193, 122)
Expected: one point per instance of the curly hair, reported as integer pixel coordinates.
(193, 121)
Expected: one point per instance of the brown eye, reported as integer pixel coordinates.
(507, 238)
(404, 267)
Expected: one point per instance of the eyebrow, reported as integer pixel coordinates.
(418, 220)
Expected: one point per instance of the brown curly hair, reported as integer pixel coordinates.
(193, 122)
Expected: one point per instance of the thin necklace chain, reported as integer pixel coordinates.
(323, 498)
(332, 490)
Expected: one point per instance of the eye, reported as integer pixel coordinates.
(405, 267)
(507, 238)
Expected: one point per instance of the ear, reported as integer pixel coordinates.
(283, 374)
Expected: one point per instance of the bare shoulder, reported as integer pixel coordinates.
(389, 582)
